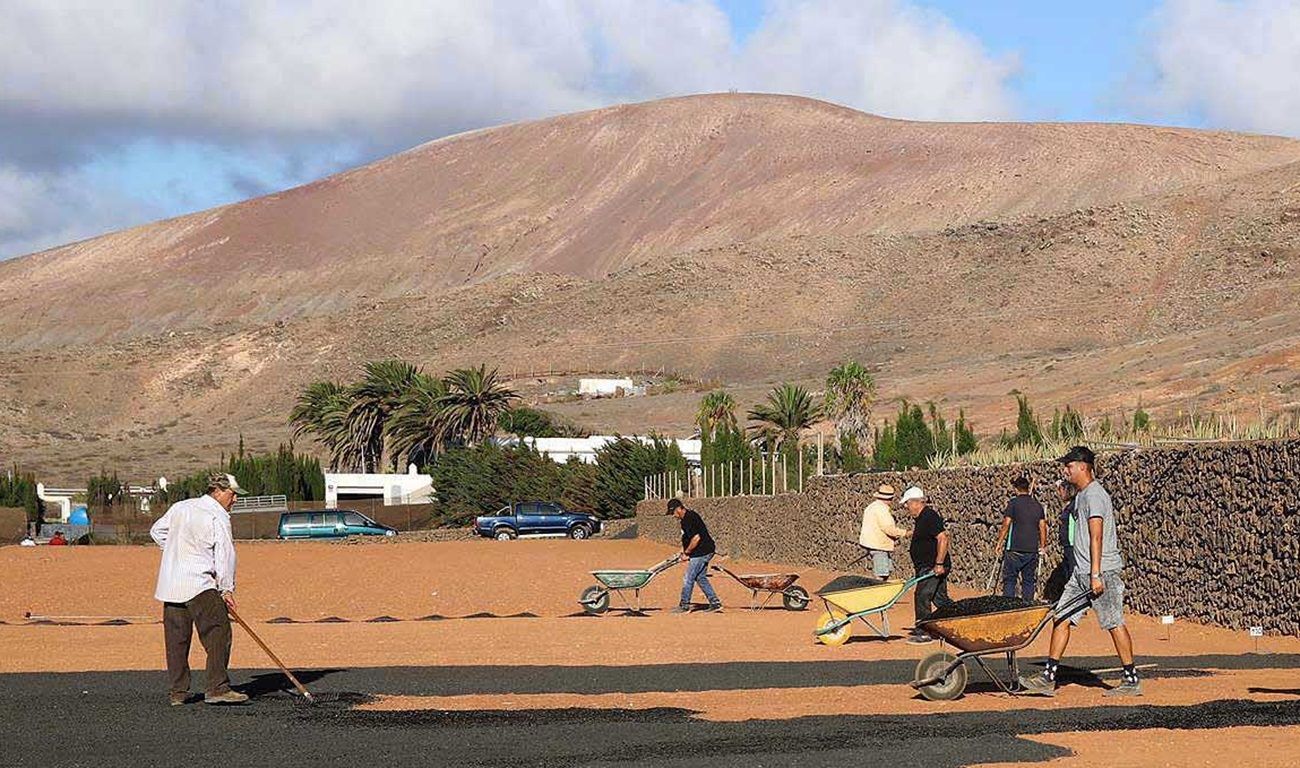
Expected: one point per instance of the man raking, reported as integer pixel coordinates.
(196, 583)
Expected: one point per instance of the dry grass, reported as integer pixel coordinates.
(1209, 428)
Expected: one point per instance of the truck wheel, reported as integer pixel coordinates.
(579, 532)
(505, 534)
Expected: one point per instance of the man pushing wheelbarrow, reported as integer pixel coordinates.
(1096, 581)
(697, 551)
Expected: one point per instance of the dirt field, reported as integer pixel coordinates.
(475, 635)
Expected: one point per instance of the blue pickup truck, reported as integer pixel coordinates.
(536, 518)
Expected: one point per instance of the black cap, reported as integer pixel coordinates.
(1079, 453)
(674, 505)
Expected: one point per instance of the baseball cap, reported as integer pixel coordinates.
(914, 492)
(673, 505)
(1079, 453)
(225, 482)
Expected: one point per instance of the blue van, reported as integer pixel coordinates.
(330, 524)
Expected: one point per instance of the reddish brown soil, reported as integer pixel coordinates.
(313, 580)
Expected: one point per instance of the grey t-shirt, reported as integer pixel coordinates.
(1094, 501)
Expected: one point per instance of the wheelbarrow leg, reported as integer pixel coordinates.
(753, 599)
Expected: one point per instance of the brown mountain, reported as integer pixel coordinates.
(741, 238)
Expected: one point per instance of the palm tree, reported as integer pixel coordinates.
(416, 431)
(321, 411)
(716, 409)
(473, 403)
(374, 399)
(777, 423)
(850, 394)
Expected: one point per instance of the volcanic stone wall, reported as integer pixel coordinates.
(1210, 533)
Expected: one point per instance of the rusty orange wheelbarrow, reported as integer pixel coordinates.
(792, 597)
(942, 676)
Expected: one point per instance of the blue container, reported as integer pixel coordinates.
(79, 516)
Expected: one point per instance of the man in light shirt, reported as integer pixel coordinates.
(196, 583)
(880, 533)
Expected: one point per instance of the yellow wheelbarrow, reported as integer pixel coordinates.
(865, 603)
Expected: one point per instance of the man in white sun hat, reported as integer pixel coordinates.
(929, 552)
(196, 584)
(880, 533)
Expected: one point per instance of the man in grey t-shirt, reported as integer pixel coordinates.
(1096, 581)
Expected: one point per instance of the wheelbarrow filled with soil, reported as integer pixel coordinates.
(862, 598)
(980, 627)
(794, 598)
(595, 599)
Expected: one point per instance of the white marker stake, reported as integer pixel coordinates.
(1257, 633)
(1168, 621)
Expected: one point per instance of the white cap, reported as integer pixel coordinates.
(914, 492)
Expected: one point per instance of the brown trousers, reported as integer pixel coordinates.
(206, 611)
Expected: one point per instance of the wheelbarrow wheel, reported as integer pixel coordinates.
(595, 600)
(795, 598)
(950, 687)
(839, 636)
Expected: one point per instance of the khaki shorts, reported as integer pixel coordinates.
(1109, 604)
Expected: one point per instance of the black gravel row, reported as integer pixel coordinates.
(120, 719)
(975, 606)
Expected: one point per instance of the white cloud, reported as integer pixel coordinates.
(382, 74)
(1235, 63)
(39, 210)
(883, 56)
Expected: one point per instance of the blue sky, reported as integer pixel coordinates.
(117, 116)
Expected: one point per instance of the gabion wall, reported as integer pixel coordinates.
(1210, 533)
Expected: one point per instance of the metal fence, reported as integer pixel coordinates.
(757, 476)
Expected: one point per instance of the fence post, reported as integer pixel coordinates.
(800, 470)
(821, 449)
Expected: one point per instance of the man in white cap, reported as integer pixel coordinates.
(196, 584)
(929, 552)
(880, 533)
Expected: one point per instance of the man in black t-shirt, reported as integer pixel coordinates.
(1023, 540)
(929, 552)
(697, 551)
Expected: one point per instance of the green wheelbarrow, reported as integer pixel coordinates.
(595, 599)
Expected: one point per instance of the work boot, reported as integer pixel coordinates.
(681, 609)
(177, 699)
(229, 697)
(1037, 685)
(1126, 688)
(714, 608)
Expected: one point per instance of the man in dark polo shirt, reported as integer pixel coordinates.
(697, 551)
(1023, 538)
(929, 551)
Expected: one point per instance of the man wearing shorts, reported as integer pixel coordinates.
(1096, 581)
(880, 533)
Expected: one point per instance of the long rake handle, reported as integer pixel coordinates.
(301, 689)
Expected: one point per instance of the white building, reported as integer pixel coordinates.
(410, 488)
(560, 449)
(605, 387)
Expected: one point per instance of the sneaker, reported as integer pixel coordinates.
(1037, 685)
(919, 639)
(681, 609)
(177, 699)
(229, 697)
(714, 608)
(1125, 689)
